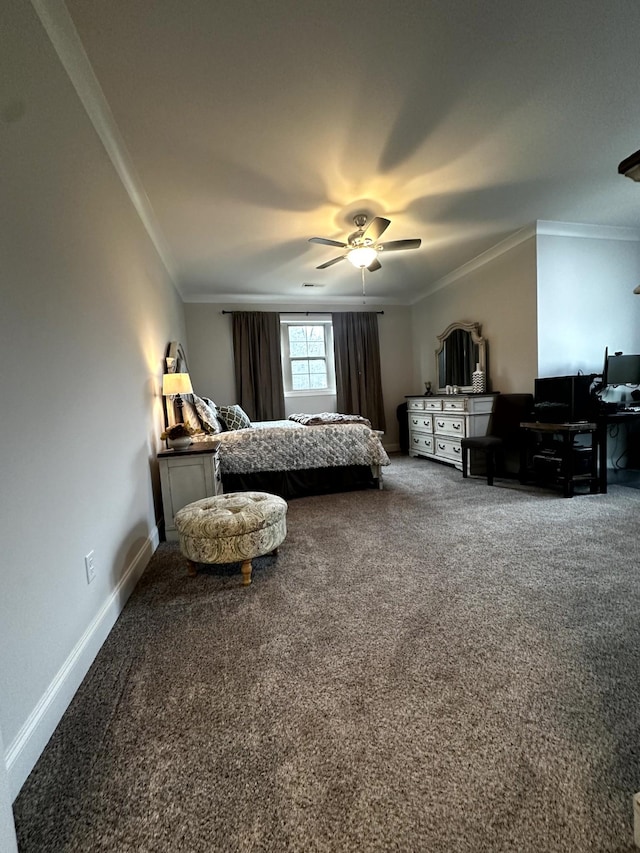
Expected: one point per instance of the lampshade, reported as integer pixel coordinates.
(362, 256)
(176, 383)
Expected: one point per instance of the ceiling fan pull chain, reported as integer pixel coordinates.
(363, 289)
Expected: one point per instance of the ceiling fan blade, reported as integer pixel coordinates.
(331, 262)
(324, 242)
(374, 265)
(377, 227)
(396, 245)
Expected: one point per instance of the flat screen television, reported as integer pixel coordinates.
(564, 399)
(621, 370)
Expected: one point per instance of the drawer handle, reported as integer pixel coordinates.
(425, 423)
(414, 421)
(441, 424)
(456, 450)
(416, 441)
(441, 446)
(456, 426)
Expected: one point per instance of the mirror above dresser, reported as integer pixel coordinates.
(461, 349)
(460, 407)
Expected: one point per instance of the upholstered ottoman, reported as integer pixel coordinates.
(231, 528)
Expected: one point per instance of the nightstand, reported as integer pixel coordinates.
(186, 476)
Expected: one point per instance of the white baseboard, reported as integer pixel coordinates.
(21, 755)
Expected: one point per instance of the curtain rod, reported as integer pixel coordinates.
(306, 313)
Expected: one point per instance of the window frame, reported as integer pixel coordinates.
(322, 320)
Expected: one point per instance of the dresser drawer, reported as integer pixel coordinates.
(421, 423)
(448, 448)
(438, 423)
(455, 405)
(449, 425)
(421, 443)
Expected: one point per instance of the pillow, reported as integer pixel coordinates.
(207, 412)
(190, 416)
(233, 417)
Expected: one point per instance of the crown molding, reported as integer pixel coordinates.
(486, 257)
(540, 228)
(263, 299)
(66, 42)
(548, 228)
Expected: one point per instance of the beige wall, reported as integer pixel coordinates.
(501, 296)
(210, 351)
(87, 310)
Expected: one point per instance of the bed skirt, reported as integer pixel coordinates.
(308, 481)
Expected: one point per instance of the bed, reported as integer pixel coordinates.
(288, 458)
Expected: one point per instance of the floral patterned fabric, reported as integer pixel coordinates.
(282, 448)
(232, 527)
(189, 414)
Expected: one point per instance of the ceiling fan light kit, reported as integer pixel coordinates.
(362, 247)
(630, 167)
(362, 256)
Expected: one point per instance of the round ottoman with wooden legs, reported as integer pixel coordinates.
(232, 528)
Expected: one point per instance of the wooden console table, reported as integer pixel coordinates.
(560, 458)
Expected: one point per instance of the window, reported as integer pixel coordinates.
(307, 356)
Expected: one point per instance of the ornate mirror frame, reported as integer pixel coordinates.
(479, 355)
(175, 362)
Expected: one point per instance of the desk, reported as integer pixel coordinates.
(562, 456)
(605, 420)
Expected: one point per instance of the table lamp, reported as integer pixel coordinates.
(174, 384)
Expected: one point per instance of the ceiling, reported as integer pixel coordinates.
(253, 126)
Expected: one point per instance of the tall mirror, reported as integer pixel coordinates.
(461, 348)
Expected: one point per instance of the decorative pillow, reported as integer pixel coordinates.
(207, 413)
(233, 417)
(190, 416)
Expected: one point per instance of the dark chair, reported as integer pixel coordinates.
(503, 435)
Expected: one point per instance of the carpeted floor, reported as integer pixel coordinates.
(439, 666)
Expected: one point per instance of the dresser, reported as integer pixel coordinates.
(186, 476)
(436, 424)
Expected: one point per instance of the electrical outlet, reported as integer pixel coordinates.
(90, 566)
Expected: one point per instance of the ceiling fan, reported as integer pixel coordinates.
(362, 247)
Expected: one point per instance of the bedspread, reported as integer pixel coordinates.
(293, 447)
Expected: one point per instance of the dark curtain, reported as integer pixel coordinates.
(357, 356)
(258, 364)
